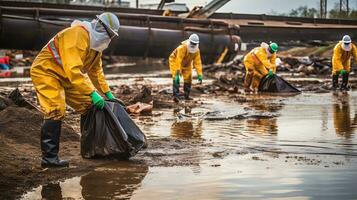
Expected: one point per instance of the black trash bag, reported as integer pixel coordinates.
(110, 133)
(276, 84)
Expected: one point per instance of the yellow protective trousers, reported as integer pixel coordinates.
(254, 73)
(67, 71)
(53, 93)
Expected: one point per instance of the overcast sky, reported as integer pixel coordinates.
(256, 6)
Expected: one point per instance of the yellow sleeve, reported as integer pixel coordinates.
(354, 52)
(197, 63)
(72, 47)
(179, 57)
(336, 58)
(97, 77)
(273, 62)
(261, 55)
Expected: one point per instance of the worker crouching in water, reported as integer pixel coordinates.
(181, 62)
(69, 70)
(341, 61)
(259, 62)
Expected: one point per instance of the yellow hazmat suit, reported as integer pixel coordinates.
(182, 60)
(341, 59)
(257, 64)
(67, 71)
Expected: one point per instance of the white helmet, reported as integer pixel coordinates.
(346, 43)
(194, 39)
(193, 43)
(110, 23)
(346, 39)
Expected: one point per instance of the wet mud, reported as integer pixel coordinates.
(224, 144)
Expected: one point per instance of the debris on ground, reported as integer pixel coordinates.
(140, 108)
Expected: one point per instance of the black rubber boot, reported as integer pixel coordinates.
(176, 91)
(187, 90)
(83, 120)
(50, 138)
(345, 82)
(335, 82)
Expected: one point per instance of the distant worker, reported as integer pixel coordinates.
(181, 61)
(69, 70)
(167, 13)
(259, 62)
(341, 61)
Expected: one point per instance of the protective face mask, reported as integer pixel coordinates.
(99, 41)
(347, 47)
(192, 48)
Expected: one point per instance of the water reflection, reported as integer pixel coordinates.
(344, 124)
(264, 126)
(115, 181)
(186, 129)
(51, 191)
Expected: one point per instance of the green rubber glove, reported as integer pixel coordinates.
(111, 97)
(97, 100)
(199, 78)
(177, 77)
(343, 72)
(270, 73)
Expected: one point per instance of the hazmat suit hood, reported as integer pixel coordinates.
(99, 41)
(346, 47)
(191, 48)
(266, 47)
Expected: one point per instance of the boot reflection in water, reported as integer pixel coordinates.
(343, 123)
(51, 191)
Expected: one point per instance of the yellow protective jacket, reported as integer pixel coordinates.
(341, 59)
(181, 60)
(258, 57)
(68, 57)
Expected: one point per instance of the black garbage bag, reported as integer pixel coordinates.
(110, 133)
(276, 84)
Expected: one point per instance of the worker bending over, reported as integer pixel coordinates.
(181, 61)
(69, 70)
(341, 61)
(259, 62)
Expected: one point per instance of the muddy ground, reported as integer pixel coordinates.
(20, 168)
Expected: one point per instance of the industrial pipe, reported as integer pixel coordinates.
(20, 32)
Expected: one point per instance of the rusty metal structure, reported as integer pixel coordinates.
(282, 29)
(140, 35)
(147, 33)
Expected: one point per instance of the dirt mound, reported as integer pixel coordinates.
(20, 148)
(14, 117)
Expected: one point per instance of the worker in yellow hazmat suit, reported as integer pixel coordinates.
(341, 61)
(181, 61)
(259, 62)
(69, 70)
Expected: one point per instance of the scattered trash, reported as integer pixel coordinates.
(140, 108)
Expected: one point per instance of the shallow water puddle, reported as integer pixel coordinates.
(307, 150)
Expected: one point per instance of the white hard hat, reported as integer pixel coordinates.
(194, 39)
(346, 39)
(110, 22)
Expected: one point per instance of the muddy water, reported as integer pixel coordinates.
(299, 147)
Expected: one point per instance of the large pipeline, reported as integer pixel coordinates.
(25, 32)
(287, 28)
